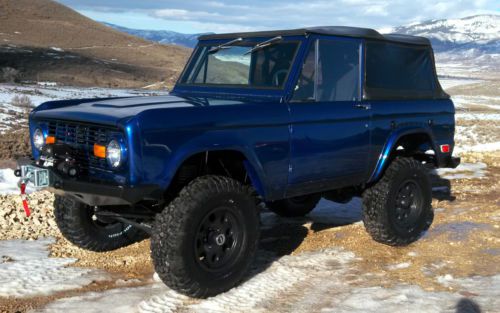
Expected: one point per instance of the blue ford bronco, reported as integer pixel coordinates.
(281, 118)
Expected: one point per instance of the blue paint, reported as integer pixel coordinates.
(290, 148)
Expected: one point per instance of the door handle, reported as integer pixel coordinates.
(365, 106)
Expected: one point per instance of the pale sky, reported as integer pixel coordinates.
(187, 16)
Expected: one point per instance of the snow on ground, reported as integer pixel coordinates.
(47, 91)
(463, 171)
(8, 183)
(486, 102)
(314, 281)
(26, 270)
(449, 82)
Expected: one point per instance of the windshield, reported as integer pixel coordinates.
(235, 65)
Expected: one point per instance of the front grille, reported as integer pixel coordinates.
(82, 138)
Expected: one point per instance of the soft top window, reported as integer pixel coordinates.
(397, 71)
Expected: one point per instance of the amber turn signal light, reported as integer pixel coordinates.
(50, 140)
(100, 151)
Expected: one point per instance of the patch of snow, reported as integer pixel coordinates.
(398, 266)
(267, 283)
(30, 272)
(51, 84)
(447, 83)
(444, 279)
(482, 147)
(463, 171)
(8, 183)
(115, 300)
(47, 91)
(456, 231)
(57, 49)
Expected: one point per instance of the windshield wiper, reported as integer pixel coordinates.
(264, 44)
(225, 45)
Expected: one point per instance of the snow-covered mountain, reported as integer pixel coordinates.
(467, 46)
(479, 32)
(161, 36)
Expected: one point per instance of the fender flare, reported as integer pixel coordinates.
(390, 145)
(251, 164)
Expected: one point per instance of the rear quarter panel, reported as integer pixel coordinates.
(392, 119)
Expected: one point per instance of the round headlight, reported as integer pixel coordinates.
(38, 139)
(114, 153)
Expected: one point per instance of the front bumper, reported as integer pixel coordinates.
(98, 193)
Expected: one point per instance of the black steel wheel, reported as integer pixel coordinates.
(397, 209)
(408, 206)
(205, 240)
(219, 239)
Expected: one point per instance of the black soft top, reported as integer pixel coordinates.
(344, 31)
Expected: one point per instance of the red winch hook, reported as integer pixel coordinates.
(24, 197)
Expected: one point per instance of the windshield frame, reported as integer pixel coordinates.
(248, 42)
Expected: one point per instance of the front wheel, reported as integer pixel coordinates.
(205, 240)
(80, 226)
(397, 209)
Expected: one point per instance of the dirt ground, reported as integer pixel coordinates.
(463, 241)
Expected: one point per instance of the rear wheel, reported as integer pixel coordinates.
(296, 206)
(80, 226)
(397, 209)
(205, 240)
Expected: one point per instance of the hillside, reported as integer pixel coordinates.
(161, 36)
(46, 41)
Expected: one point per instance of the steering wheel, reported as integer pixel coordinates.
(276, 76)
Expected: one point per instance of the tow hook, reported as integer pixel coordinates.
(24, 197)
(31, 174)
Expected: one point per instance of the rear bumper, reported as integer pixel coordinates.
(98, 193)
(450, 162)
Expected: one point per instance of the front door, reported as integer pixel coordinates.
(330, 125)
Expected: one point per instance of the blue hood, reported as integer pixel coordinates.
(111, 111)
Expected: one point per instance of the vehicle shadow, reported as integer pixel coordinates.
(466, 305)
(281, 236)
(441, 188)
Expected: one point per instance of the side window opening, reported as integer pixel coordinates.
(337, 75)
(399, 71)
(305, 88)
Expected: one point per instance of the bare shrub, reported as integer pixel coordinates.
(9, 75)
(24, 102)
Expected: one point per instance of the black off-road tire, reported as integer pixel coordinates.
(384, 204)
(75, 222)
(178, 241)
(294, 207)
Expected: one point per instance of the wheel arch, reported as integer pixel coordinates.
(231, 162)
(415, 141)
